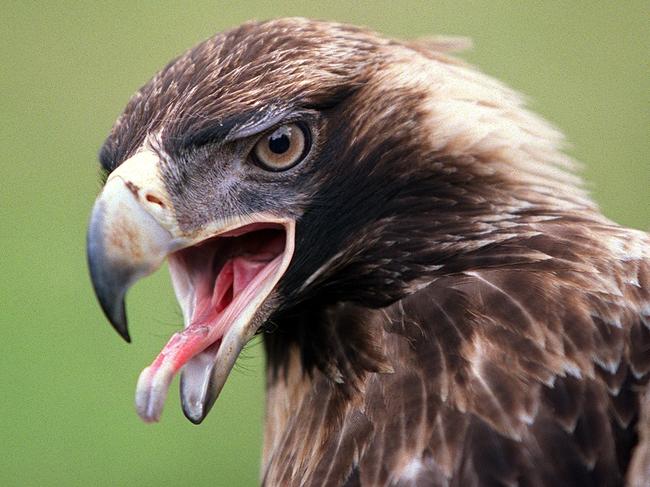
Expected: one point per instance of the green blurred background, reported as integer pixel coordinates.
(66, 71)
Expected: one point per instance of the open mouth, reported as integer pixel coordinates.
(220, 284)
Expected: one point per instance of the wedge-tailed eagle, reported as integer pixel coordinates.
(440, 300)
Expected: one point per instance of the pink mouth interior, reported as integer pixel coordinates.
(221, 269)
(225, 273)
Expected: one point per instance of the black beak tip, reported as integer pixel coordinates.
(110, 280)
(115, 312)
(119, 322)
(110, 289)
(126, 337)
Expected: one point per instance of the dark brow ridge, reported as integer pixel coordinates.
(251, 122)
(214, 131)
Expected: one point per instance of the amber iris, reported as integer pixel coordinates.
(282, 148)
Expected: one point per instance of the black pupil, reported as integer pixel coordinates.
(279, 143)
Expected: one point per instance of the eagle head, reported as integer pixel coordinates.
(291, 164)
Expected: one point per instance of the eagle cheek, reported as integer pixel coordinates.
(223, 274)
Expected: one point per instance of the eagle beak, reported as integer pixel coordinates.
(222, 274)
(125, 241)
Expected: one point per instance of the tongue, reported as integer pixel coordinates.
(196, 375)
(244, 271)
(197, 345)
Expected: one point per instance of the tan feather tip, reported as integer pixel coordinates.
(443, 43)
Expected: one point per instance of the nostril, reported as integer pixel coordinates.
(155, 200)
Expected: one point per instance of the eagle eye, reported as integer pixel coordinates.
(283, 147)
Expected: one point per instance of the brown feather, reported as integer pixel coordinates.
(517, 376)
(457, 311)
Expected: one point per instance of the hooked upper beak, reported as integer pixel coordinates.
(126, 240)
(222, 274)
